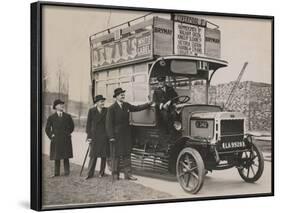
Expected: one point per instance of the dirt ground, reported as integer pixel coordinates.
(76, 190)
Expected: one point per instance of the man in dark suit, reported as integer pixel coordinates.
(163, 96)
(96, 136)
(59, 128)
(119, 132)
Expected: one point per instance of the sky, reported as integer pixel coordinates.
(66, 50)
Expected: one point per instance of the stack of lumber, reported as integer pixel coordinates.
(253, 99)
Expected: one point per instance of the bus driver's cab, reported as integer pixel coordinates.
(182, 74)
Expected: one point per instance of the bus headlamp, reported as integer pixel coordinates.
(162, 63)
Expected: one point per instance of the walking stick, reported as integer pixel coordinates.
(85, 158)
(112, 145)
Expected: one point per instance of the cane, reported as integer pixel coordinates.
(112, 145)
(85, 158)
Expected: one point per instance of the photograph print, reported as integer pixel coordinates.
(146, 105)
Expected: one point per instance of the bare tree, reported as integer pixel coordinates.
(45, 76)
(63, 79)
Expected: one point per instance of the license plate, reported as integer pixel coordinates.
(233, 145)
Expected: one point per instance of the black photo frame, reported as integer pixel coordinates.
(37, 98)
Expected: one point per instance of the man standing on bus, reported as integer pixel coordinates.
(119, 133)
(163, 96)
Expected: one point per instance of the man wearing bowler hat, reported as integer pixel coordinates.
(59, 128)
(96, 136)
(119, 132)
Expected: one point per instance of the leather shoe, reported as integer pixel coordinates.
(102, 175)
(88, 177)
(131, 177)
(115, 177)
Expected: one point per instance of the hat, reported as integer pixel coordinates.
(56, 102)
(98, 98)
(161, 78)
(118, 91)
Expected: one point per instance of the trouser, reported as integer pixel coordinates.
(126, 165)
(92, 166)
(168, 118)
(116, 161)
(65, 164)
(126, 160)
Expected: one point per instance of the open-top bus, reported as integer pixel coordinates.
(186, 50)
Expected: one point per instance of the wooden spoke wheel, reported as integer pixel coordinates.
(190, 170)
(252, 164)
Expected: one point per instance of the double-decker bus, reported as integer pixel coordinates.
(187, 51)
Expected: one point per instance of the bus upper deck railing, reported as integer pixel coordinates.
(108, 30)
(129, 23)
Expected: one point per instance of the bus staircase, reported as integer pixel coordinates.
(151, 154)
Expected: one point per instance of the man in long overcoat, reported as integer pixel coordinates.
(58, 129)
(119, 132)
(96, 136)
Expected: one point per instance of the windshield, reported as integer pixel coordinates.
(183, 67)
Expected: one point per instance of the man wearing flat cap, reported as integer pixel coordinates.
(58, 129)
(162, 97)
(96, 136)
(119, 132)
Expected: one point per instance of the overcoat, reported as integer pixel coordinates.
(159, 96)
(59, 130)
(95, 130)
(117, 126)
(164, 116)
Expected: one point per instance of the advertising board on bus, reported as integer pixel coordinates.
(156, 37)
(132, 48)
